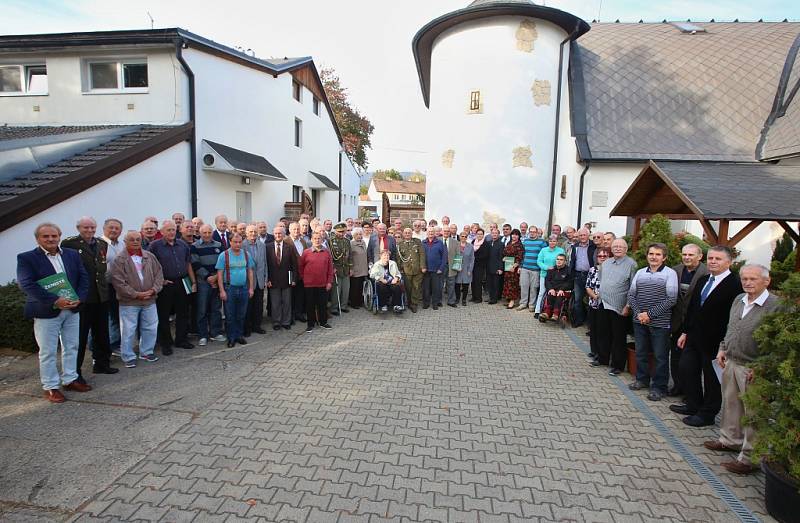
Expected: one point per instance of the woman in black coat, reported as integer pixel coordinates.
(479, 269)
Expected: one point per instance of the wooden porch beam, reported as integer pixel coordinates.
(739, 236)
(637, 229)
(722, 233)
(711, 234)
(791, 232)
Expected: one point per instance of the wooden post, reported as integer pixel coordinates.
(637, 229)
(797, 252)
(722, 235)
(711, 235)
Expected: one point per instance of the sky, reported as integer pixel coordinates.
(368, 42)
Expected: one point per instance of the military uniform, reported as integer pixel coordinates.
(340, 253)
(94, 311)
(411, 261)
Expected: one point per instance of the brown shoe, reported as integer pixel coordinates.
(78, 387)
(54, 396)
(715, 444)
(737, 467)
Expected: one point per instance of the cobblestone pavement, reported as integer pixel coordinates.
(422, 417)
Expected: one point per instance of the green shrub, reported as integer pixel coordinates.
(15, 331)
(779, 271)
(773, 399)
(657, 230)
(783, 248)
(684, 238)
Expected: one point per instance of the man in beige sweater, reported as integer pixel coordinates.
(736, 351)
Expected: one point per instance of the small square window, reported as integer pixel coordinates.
(315, 106)
(297, 91)
(10, 79)
(298, 133)
(475, 101)
(103, 75)
(134, 75)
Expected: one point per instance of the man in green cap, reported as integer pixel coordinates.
(340, 252)
(411, 261)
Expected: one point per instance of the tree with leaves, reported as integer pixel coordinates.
(783, 248)
(356, 129)
(390, 174)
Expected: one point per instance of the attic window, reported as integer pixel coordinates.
(297, 91)
(475, 102)
(688, 27)
(315, 106)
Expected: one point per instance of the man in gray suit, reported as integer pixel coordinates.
(451, 246)
(689, 272)
(255, 306)
(736, 352)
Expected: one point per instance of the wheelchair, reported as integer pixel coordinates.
(369, 292)
(564, 314)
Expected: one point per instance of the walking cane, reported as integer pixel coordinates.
(338, 301)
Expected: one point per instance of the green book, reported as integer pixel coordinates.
(508, 262)
(458, 261)
(58, 284)
(187, 284)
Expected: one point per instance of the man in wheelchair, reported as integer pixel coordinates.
(387, 282)
(558, 288)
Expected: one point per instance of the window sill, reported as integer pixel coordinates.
(117, 91)
(12, 95)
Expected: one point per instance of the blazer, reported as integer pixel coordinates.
(467, 263)
(374, 253)
(94, 261)
(573, 254)
(126, 280)
(216, 237)
(33, 265)
(496, 248)
(452, 247)
(259, 255)
(679, 310)
(705, 325)
(278, 275)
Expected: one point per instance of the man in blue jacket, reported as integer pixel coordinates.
(54, 318)
(436, 259)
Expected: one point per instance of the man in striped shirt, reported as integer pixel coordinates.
(653, 293)
(529, 273)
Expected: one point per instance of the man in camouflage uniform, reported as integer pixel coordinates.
(411, 261)
(340, 252)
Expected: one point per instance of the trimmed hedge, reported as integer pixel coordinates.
(15, 331)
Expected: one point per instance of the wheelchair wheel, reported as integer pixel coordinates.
(366, 293)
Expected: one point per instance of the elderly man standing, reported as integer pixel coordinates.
(530, 272)
(138, 279)
(149, 230)
(736, 352)
(298, 293)
(255, 305)
(236, 286)
(316, 268)
(703, 329)
(412, 264)
(174, 255)
(581, 259)
(205, 253)
(112, 228)
(340, 252)
(419, 231)
(94, 310)
(451, 247)
(617, 275)
(689, 272)
(494, 269)
(281, 277)
(436, 260)
(263, 235)
(221, 233)
(55, 317)
(380, 241)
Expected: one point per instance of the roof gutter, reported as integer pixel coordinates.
(569, 37)
(180, 45)
(580, 192)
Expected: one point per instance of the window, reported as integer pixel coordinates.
(297, 91)
(298, 133)
(128, 75)
(315, 105)
(23, 79)
(475, 102)
(296, 193)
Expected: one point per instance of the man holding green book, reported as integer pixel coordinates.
(55, 284)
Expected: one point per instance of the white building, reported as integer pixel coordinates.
(541, 117)
(134, 123)
(399, 192)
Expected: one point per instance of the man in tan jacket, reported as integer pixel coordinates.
(137, 279)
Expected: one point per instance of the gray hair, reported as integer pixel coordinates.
(756, 267)
(695, 247)
(84, 219)
(357, 230)
(723, 249)
(109, 220)
(552, 237)
(44, 225)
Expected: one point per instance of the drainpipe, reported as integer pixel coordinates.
(340, 186)
(180, 45)
(580, 192)
(558, 121)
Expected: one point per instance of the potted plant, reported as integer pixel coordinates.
(773, 404)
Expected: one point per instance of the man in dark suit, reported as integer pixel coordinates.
(298, 291)
(581, 259)
(54, 317)
(494, 269)
(282, 272)
(689, 273)
(95, 308)
(221, 232)
(703, 329)
(379, 241)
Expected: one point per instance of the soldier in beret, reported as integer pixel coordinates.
(340, 252)
(411, 260)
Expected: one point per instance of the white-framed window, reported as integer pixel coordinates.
(23, 79)
(297, 91)
(315, 106)
(298, 132)
(117, 75)
(475, 102)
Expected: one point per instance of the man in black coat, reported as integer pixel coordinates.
(282, 277)
(494, 269)
(704, 327)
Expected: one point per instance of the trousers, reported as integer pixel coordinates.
(340, 292)
(528, 288)
(316, 305)
(732, 433)
(141, 320)
(413, 284)
(281, 301)
(94, 319)
(172, 298)
(431, 289)
(48, 332)
(700, 385)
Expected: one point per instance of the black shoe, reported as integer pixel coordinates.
(259, 331)
(492, 302)
(595, 363)
(452, 305)
(464, 303)
(231, 344)
(326, 326)
(287, 327)
(413, 308)
(309, 328)
(166, 351)
(436, 307)
(247, 334)
(682, 409)
(185, 345)
(345, 310)
(425, 306)
(674, 391)
(301, 317)
(276, 327)
(614, 372)
(104, 369)
(334, 313)
(241, 341)
(81, 380)
(697, 421)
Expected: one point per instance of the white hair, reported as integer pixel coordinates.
(756, 267)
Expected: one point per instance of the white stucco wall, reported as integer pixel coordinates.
(128, 196)
(67, 103)
(351, 184)
(255, 112)
(483, 55)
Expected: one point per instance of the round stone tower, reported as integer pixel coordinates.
(489, 74)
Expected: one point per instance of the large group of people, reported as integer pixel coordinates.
(155, 287)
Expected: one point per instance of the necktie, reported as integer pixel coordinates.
(224, 239)
(706, 290)
(278, 253)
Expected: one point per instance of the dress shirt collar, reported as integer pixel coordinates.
(758, 301)
(46, 253)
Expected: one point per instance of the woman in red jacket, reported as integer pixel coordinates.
(316, 271)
